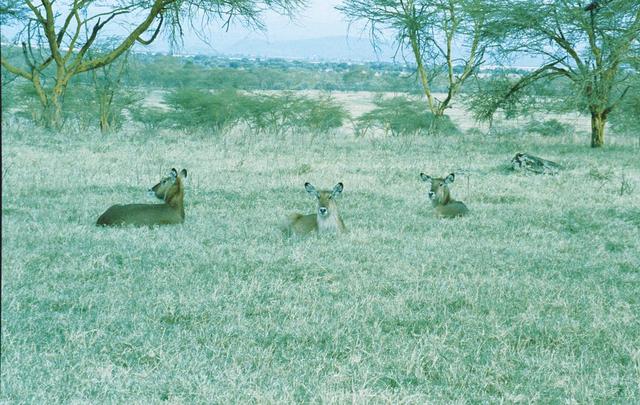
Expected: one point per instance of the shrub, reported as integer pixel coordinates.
(150, 118)
(324, 115)
(199, 108)
(278, 113)
(402, 116)
(21, 97)
(81, 106)
(484, 101)
(626, 118)
(300, 113)
(496, 93)
(551, 127)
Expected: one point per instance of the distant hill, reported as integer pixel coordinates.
(337, 48)
(327, 48)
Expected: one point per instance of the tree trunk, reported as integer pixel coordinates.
(435, 125)
(424, 80)
(52, 117)
(105, 127)
(105, 114)
(598, 120)
(53, 109)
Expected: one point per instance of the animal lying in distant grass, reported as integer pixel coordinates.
(534, 164)
(171, 211)
(440, 197)
(326, 219)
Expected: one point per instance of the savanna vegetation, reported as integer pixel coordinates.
(532, 296)
(58, 39)
(429, 31)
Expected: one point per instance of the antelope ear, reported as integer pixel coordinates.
(337, 189)
(183, 173)
(311, 189)
(173, 173)
(450, 178)
(425, 177)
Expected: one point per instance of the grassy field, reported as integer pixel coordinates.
(535, 296)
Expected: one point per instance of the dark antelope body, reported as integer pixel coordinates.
(440, 196)
(534, 164)
(171, 211)
(325, 220)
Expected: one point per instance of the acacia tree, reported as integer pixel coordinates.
(106, 82)
(430, 30)
(592, 45)
(56, 36)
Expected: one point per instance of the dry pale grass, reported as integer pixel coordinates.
(532, 297)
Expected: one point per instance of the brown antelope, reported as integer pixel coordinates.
(170, 189)
(325, 220)
(440, 196)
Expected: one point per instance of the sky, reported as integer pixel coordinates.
(319, 19)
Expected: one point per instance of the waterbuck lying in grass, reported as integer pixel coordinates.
(170, 189)
(534, 164)
(325, 220)
(440, 196)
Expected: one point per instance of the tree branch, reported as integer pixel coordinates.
(35, 11)
(535, 75)
(155, 34)
(49, 31)
(72, 43)
(90, 40)
(156, 9)
(615, 103)
(29, 62)
(15, 70)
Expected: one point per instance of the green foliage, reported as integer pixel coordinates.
(198, 108)
(496, 93)
(403, 116)
(275, 113)
(289, 112)
(8, 100)
(626, 118)
(271, 74)
(79, 48)
(22, 97)
(551, 127)
(587, 46)
(429, 31)
(150, 118)
(324, 115)
(81, 104)
(490, 95)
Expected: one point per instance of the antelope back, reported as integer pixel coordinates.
(170, 189)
